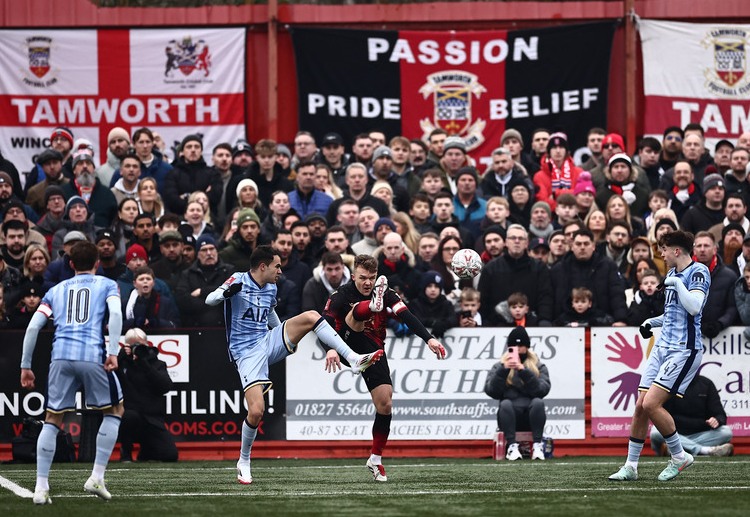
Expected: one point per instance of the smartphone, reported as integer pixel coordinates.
(464, 314)
(513, 353)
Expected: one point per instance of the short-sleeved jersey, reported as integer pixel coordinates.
(679, 329)
(342, 300)
(78, 307)
(246, 313)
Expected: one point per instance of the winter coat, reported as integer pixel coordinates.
(157, 170)
(645, 307)
(438, 315)
(106, 171)
(402, 276)
(491, 187)
(700, 402)
(193, 309)
(144, 381)
(237, 252)
(504, 276)
(590, 318)
(525, 385)
(599, 274)
(102, 203)
(316, 202)
(297, 272)
(160, 312)
(288, 298)
(187, 177)
(543, 180)
(88, 228)
(699, 217)
(742, 300)
(635, 184)
(59, 270)
(125, 283)
(720, 310)
(470, 218)
(317, 290)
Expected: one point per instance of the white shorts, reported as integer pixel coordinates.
(253, 365)
(671, 370)
(101, 388)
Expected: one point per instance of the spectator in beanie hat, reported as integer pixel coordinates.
(100, 200)
(243, 242)
(76, 217)
(118, 142)
(621, 177)
(191, 173)
(709, 211)
(558, 172)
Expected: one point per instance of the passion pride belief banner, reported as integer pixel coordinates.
(174, 81)
(433, 400)
(696, 73)
(472, 84)
(618, 356)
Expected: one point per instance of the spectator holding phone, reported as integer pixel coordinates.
(469, 303)
(520, 382)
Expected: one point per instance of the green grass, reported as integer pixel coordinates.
(565, 486)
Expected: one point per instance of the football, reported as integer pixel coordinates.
(466, 263)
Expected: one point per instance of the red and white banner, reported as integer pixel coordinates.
(174, 81)
(432, 399)
(618, 356)
(696, 73)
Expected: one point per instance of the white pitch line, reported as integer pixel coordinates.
(248, 493)
(16, 489)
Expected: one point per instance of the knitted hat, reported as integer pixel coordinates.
(247, 182)
(511, 133)
(75, 200)
(282, 149)
(48, 155)
(584, 184)
(620, 157)
(315, 216)
(135, 251)
(711, 181)
(52, 190)
(430, 277)
(63, 132)
(104, 235)
(83, 144)
(495, 228)
(5, 178)
(558, 139)
(384, 220)
(191, 138)
(382, 151)
(205, 240)
(518, 337)
(81, 156)
(454, 142)
(380, 184)
(118, 132)
(467, 171)
(188, 240)
(542, 204)
(614, 138)
(664, 221)
(245, 215)
(732, 226)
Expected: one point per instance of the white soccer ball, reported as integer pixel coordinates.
(466, 263)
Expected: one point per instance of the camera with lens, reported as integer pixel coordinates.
(141, 351)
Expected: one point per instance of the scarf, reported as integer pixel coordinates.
(561, 178)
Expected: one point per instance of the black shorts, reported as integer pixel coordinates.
(377, 374)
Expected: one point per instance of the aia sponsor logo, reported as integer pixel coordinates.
(187, 62)
(728, 74)
(453, 92)
(39, 50)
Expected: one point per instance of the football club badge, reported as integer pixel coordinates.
(187, 56)
(728, 76)
(453, 92)
(39, 50)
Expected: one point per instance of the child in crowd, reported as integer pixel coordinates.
(515, 311)
(656, 199)
(31, 297)
(431, 307)
(648, 302)
(145, 308)
(581, 312)
(469, 303)
(420, 210)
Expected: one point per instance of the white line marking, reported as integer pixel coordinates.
(248, 493)
(16, 489)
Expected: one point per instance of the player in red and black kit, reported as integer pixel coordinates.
(359, 311)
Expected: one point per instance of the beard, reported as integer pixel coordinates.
(86, 180)
(730, 251)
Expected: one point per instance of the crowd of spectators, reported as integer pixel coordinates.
(564, 243)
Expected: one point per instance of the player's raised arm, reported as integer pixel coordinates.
(226, 290)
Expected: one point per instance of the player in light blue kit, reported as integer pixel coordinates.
(79, 360)
(675, 358)
(249, 300)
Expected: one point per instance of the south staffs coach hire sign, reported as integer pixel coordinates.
(472, 84)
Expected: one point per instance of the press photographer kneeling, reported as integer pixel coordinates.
(144, 380)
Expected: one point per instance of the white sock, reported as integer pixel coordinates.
(375, 459)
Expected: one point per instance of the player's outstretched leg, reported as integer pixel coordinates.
(330, 337)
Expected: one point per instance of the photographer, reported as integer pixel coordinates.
(520, 382)
(144, 380)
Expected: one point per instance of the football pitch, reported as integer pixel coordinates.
(564, 486)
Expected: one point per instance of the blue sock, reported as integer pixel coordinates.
(105, 442)
(45, 450)
(635, 446)
(675, 446)
(248, 437)
(329, 336)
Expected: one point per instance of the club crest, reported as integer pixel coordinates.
(728, 76)
(187, 56)
(453, 92)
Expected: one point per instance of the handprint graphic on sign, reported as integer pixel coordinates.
(627, 389)
(630, 356)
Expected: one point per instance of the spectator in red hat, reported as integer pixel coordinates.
(612, 144)
(61, 140)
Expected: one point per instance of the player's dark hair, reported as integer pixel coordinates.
(366, 262)
(84, 255)
(262, 255)
(678, 238)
